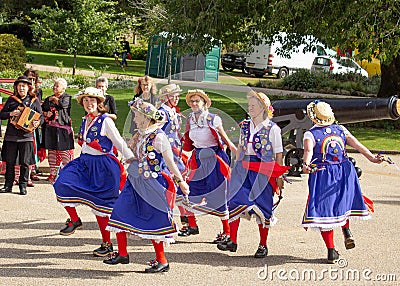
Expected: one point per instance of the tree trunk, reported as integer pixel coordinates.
(169, 62)
(74, 64)
(390, 78)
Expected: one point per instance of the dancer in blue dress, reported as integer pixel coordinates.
(96, 176)
(145, 206)
(169, 109)
(208, 167)
(257, 173)
(334, 190)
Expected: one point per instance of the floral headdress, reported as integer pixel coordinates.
(146, 109)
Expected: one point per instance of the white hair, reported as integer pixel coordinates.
(102, 79)
(62, 81)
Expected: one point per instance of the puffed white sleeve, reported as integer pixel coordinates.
(217, 121)
(308, 135)
(110, 130)
(161, 143)
(345, 130)
(276, 139)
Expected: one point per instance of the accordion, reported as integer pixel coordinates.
(25, 120)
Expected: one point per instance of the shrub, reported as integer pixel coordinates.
(12, 53)
(138, 53)
(301, 80)
(9, 73)
(80, 80)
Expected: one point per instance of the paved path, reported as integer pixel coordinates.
(33, 253)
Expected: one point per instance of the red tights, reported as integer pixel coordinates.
(159, 249)
(73, 215)
(327, 236)
(102, 221)
(122, 243)
(193, 223)
(234, 226)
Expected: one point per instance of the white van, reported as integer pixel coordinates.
(265, 60)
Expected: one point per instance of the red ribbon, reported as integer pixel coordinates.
(122, 178)
(270, 169)
(369, 203)
(170, 193)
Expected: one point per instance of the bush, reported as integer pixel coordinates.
(138, 53)
(12, 53)
(301, 80)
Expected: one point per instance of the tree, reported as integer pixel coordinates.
(87, 27)
(371, 26)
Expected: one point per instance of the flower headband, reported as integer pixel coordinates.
(146, 109)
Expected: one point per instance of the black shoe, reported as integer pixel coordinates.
(115, 258)
(71, 227)
(189, 231)
(159, 267)
(219, 238)
(333, 255)
(184, 220)
(227, 244)
(103, 250)
(349, 242)
(6, 189)
(261, 252)
(22, 191)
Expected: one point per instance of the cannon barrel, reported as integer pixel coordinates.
(349, 110)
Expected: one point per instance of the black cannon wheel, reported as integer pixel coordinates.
(294, 159)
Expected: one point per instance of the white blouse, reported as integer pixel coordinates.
(200, 132)
(160, 143)
(109, 130)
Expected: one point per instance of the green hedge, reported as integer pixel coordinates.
(12, 53)
(138, 53)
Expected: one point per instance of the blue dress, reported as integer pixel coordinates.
(145, 205)
(251, 190)
(334, 191)
(208, 172)
(92, 180)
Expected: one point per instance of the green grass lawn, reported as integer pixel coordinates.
(378, 139)
(135, 67)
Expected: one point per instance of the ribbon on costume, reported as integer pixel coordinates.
(270, 169)
(223, 167)
(122, 178)
(369, 203)
(170, 193)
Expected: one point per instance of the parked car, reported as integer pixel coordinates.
(231, 61)
(342, 65)
(267, 58)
